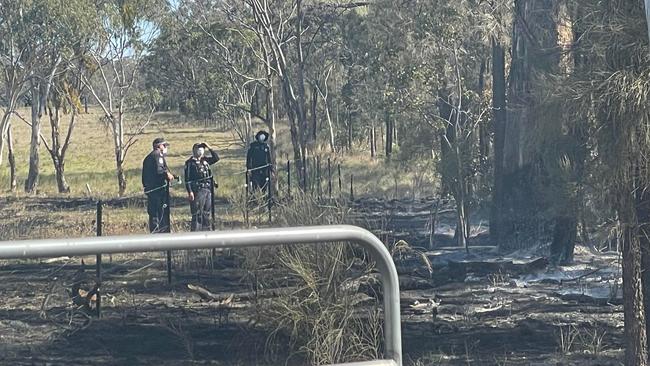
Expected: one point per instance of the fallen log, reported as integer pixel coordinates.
(209, 296)
(205, 294)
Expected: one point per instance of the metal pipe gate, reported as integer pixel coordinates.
(238, 239)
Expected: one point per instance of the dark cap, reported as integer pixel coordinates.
(159, 141)
(197, 145)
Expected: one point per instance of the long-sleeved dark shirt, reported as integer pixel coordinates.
(259, 155)
(154, 171)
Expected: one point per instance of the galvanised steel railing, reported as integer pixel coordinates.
(238, 239)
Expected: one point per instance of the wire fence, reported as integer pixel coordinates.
(316, 179)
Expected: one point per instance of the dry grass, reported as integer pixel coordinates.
(90, 157)
(318, 319)
(324, 321)
(90, 162)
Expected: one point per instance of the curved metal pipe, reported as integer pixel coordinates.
(234, 239)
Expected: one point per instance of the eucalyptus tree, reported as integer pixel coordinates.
(607, 94)
(45, 41)
(16, 64)
(126, 30)
(77, 23)
(63, 102)
(279, 36)
(30, 44)
(181, 66)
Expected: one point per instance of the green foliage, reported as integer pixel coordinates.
(601, 107)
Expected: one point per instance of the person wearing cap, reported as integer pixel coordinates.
(258, 162)
(155, 181)
(199, 183)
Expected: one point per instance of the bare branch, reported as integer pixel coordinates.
(133, 139)
(20, 117)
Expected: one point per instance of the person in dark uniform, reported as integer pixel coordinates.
(199, 182)
(155, 180)
(258, 162)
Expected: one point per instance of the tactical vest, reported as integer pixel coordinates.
(201, 174)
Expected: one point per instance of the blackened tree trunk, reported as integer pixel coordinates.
(521, 205)
(642, 212)
(299, 102)
(389, 134)
(564, 237)
(636, 352)
(499, 126)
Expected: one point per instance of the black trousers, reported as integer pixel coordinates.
(201, 209)
(259, 180)
(158, 211)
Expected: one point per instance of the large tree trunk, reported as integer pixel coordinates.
(58, 159)
(12, 159)
(565, 235)
(497, 212)
(35, 142)
(296, 141)
(59, 169)
(636, 351)
(521, 223)
(299, 103)
(40, 94)
(4, 128)
(642, 212)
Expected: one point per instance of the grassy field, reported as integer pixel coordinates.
(90, 159)
(90, 162)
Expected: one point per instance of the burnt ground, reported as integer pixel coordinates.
(143, 320)
(481, 309)
(519, 315)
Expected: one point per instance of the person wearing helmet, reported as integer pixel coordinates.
(199, 183)
(155, 181)
(258, 162)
